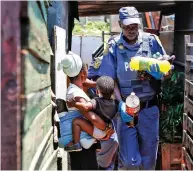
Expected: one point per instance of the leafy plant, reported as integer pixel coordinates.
(91, 28)
(172, 105)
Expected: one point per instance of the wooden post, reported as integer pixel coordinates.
(171, 156)
(10, 86)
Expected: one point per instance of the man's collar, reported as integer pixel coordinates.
(125, 44)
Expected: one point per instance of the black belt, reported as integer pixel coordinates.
(143, 105)
(148, 104)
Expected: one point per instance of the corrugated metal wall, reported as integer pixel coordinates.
(81, 45)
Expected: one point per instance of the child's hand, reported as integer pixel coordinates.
(71, 102)
(109, 132)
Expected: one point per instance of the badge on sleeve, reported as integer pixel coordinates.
(121, 47)
(97, 62)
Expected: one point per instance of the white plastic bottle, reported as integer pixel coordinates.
(132, 108)
(132, 104)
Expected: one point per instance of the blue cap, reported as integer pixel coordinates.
(129, 15)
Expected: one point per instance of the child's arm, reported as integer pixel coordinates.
(88, 84)
(81, 104)
(85, 107)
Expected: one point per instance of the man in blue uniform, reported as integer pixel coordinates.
(137, 145)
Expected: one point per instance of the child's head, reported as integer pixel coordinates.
(61, 105)
(105, 86)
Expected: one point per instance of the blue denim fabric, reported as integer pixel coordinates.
(66, 128)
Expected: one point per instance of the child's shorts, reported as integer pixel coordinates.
(98, 133)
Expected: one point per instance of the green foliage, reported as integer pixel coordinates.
(172, 98)
(91, 28)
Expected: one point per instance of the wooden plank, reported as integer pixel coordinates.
(184, 167)
(48, 154)
(188, 71)
(10, 86)
(185, 117)
(36, 73)
(36, 34)
(189, 58)
(165, 148)
(187, 159)
(64, 158)
(188, 106)
(42, 149)
(51, 163)
(184, 139)
(190, 44)
(44, 11)
(36, 133)
(171, 156)
(34, 104)
(190, 125)
(188, 88)
(175, 150)
(188, 142)
(187, 52)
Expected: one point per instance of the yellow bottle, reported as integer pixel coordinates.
(139, 63)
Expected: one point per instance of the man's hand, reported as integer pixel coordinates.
(155, 72)
(167, 58)
(122, 110)
(109, 132)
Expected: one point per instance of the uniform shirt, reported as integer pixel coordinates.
(105, 109)
(116, 59)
